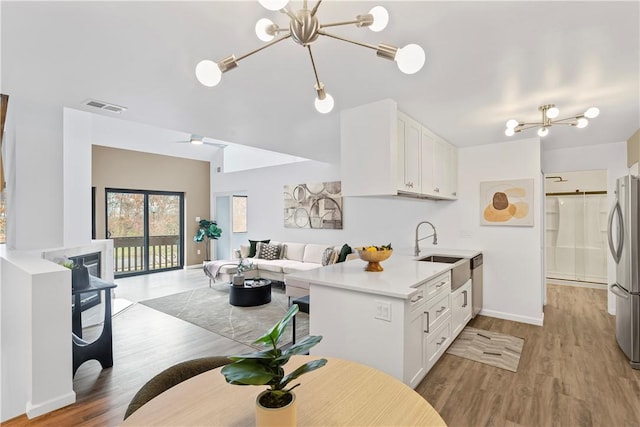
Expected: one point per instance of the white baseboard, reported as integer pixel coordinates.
(538, 321)
(590, 285)
(194, 266)
(50, 405)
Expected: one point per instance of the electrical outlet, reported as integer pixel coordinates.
(383, 311)
(198, 252)
(197, 219)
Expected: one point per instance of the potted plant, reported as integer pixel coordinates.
(208, 230)
(238, 278)
(277, 404)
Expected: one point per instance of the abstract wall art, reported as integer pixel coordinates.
(315, 205)
(508, 202)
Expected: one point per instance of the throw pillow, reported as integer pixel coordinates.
(267, 251)
(346, 250)
(327, 256)
(252, 246)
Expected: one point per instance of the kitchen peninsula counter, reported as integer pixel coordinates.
(397, 320)
(399, 279)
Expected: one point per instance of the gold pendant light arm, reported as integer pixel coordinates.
(271, 43)
(291, 15)
(333, 36)
(335, 24)
(315, 8)
(313, 64)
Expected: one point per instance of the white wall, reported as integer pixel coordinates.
(35, 183)
(35, 374)
(366, 220)
(512, 255)
(612, 157)
(76, 171)
(513, 275)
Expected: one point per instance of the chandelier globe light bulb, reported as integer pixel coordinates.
(592, 113)
(509, 131)
(325, 105)
(261, 29)
(543, 131)
(380, 18)
(410, 59)
(273, 4)
(511, 124)
(208, 73)
(582, 123)
(553, 112)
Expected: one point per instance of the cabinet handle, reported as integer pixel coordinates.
(441, 310)
(441, 284)
(419, 297)
(465, 298)
(437, 190)
(427, 313)
(409, 184)
(442, 341)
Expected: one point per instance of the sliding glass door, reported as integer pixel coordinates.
(146, 229)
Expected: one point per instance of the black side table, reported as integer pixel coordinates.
(102, 348)
(254, 292)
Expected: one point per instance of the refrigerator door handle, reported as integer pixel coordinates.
(618, 291)
(616, 252)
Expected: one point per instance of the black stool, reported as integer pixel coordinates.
(303, 306)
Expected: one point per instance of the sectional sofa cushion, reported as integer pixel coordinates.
(313, 253)
(252, 246)
(295, 252)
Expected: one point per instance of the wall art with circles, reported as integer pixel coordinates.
(315, 205)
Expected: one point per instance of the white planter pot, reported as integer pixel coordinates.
(276, 417)
(238, 280)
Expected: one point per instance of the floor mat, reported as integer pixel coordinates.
(492, 348)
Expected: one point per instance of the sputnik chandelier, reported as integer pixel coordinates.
(304, 28)
(549, 114)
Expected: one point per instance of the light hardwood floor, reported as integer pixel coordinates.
(571, 372)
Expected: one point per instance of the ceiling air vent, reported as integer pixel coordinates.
(104, 106)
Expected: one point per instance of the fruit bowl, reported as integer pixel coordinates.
(374, 255)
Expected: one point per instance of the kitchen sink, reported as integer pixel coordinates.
(460, 271)
(441, 258)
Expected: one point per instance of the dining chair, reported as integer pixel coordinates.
(172, 376)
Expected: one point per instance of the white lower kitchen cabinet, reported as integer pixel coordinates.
(437, 341)
(414, 364)
(461, 310)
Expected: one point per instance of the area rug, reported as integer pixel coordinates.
(492, 348)
(209, 308)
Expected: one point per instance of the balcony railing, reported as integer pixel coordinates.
(128, 253)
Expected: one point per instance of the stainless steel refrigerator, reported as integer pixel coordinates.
(624, 237)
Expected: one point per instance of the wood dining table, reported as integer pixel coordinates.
(342, 393)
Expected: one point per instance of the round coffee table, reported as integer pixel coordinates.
(254, 292)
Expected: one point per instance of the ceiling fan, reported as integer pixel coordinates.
(199, 140)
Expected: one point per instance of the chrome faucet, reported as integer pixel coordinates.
(435, 236)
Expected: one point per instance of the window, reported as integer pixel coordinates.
(239, 214)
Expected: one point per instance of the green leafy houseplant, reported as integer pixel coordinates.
(208, 230)
(266, 367)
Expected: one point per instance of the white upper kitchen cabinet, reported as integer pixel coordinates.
(386, 152)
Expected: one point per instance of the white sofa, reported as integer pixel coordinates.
(295, 257)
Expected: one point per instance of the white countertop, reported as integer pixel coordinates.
(401, 275)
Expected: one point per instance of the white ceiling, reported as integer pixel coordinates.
(486, 62)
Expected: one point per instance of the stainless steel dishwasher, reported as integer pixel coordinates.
(476, 284)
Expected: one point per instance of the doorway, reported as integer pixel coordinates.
(147, 230)
(576, 210)
(231, 216)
